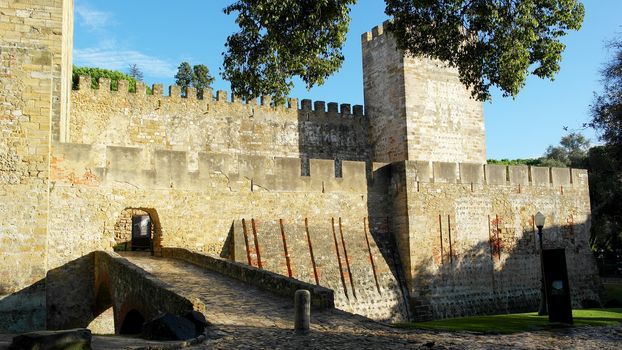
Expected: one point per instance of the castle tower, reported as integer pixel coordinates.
(418, 109)
(35, 86)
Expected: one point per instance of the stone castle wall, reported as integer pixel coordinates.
(173, 122)
(340, 253)
(417, 107)
(449, 236)
(95, 187)
(31, 66)
(469, 239)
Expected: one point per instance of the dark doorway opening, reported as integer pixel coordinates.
(133, 323)
(141, 232)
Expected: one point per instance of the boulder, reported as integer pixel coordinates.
(79, 338)
(198, 319)
(169, 327)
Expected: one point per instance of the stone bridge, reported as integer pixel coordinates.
(112, 293)
(133, 294)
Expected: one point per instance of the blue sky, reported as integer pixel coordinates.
(157, 35)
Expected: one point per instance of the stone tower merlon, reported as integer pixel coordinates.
(417, 107)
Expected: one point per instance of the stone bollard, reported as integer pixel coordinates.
(302, 305)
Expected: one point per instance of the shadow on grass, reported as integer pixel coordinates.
(515, 323)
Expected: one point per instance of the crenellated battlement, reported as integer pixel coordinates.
(493, 174)
(158, 168)
(375, 32)
(149, 168)
(221, 96)
(216, 122)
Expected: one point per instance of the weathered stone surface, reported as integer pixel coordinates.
(198, 319)
(249, 318)
(34, 61)
(453, 238)
(417, 107)
(169, 327)
(79, 339)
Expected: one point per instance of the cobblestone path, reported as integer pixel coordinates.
(245, 317)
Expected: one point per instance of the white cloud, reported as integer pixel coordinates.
(92, 18)
(121, 59)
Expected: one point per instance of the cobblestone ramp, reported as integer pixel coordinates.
(245, 317)
(231, 302)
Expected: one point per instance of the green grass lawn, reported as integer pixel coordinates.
(514, 323)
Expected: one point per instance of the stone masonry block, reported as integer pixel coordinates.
(519, 174)
(104, 85)
(496, 174)
(445, 172)
(422, 170)
(540, 176)
(471, 173)
(171, 168)
(174, 92)
(354, 175)
(217, 162)
(560, 176)
(123, 163)
(579, 177)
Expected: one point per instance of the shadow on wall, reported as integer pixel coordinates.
(70, 294)
(24, 309)
(77, 293)
(336, 134)
(337, 253)
(498, 276)
(63, 299)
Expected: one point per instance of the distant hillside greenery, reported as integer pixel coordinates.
(605, 183)
(96, 73)
(572, 151)
(526, 161)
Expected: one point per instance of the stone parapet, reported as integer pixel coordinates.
(492, 174)
(144, 167)
(321, 298)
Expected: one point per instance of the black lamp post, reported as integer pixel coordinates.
(539, 221)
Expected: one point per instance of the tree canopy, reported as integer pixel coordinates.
(183, 78)
(197, 77)
(606, 161)
(493, 43)
(572, 151)
(96, 73)
(606, 109)
(135, 72)
(279, 40)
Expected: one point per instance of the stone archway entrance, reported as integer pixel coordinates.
(137, 229)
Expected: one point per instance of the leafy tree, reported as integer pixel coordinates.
(184, 75)
(135, 72)
(201, 78)
(571, 152)
(491, 42)
(605, 196)
(606, 109)
(197, 77)
(96, 73)
(525, 161)
(279, 40)
(606, 161)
